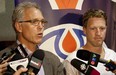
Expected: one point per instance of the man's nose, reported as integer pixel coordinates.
(98, 31)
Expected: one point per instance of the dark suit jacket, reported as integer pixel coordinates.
(51, 63)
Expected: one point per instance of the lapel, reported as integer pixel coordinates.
(48, 68)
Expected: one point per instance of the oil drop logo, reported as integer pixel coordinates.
(63, 39)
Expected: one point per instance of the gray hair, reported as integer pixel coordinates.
(19, 10)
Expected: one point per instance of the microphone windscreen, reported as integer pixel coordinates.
(36, 61)
(39, 54)
(84, 68)
(79, 65)
(6, 55)
(83, 54)
(92, 58)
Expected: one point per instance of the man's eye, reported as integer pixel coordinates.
(102, 28)
(43, 21)
(34, 21)
(92, 28)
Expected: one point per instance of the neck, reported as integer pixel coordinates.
(98, 50)
(31, 46)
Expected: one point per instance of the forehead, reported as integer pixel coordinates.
(32, 13)
(95, 21)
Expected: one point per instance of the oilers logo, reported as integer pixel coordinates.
(66, 4)
(63, 39)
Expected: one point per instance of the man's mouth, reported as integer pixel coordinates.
(40, 34)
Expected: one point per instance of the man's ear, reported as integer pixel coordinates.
(18, 26)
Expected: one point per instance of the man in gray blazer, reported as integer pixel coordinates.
(28, 22)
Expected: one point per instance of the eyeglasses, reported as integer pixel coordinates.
(35, 21)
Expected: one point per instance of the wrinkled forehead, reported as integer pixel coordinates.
(32, 13)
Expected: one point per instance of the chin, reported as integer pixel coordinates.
(38, 42)
(98, 45)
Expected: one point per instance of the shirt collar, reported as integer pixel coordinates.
(29, 52)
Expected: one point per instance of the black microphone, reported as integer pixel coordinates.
(84, 68)
(36, 61)
(9, 54)
(94, 58)
(17, 62)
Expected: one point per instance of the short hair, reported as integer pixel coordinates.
(19, 10)
(93, 13)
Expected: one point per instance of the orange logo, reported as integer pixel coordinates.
(66, 4)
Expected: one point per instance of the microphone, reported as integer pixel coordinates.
(10, 53)
(84, 68)
(17, 62)
(36, 61)
(94, 58)
(7, 55)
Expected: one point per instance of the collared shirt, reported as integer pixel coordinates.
(41, 72)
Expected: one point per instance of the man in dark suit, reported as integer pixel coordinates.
(28, 22)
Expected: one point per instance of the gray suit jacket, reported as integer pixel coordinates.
(51, 63)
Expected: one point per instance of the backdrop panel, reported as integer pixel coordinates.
(63, 33)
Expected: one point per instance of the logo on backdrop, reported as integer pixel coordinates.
(66, 4)
(63, 39)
